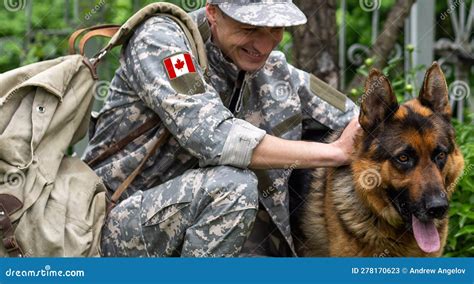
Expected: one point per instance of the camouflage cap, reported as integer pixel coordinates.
(264, 13)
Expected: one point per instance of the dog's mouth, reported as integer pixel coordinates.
(418, 222)
(426, 234)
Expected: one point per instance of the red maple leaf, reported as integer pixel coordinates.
(179, 64)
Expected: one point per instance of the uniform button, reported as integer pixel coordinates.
(40, 109)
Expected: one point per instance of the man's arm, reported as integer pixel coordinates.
(274, 152)
(188, 107)
(277, 153)
(198, 120)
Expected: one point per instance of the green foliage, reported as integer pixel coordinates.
(402, 83)
(358, 25)
(51, 23)
(461, 227)
(286, 45)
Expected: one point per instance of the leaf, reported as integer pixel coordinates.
(398, 83)
(362, 72)
(462, 220)
(395, 60)
(466, 230)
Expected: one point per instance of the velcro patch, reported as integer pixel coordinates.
(178, 65)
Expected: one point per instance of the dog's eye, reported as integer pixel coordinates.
(441, 156)
(403, 158)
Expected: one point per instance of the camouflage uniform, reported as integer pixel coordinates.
(196, 197)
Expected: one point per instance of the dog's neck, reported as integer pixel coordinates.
(361, 221)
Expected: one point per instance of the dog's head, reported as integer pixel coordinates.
(407, 161)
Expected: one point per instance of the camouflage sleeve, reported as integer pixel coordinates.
(189, 107)
(334, 113)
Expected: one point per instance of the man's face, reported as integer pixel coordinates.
(246, 46)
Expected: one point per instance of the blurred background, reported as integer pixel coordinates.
(340, 43)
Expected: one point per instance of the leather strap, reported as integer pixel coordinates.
(122, 187)
(149, 124)
(9, 204)
(108, 32)
(76, 34)
(167, 9)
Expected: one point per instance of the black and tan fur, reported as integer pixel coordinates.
(410, 151)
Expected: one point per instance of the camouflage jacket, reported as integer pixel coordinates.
(274, 100)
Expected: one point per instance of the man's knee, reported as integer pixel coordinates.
(240, 185)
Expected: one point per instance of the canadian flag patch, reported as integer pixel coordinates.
(179, 65)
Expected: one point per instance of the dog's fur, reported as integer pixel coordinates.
(405, 163)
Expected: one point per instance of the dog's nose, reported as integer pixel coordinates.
(436, 206)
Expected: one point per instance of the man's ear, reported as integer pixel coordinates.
(378, 102)
(211, 13)
(434, 93)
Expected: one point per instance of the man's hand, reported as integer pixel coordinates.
(345, 144)
(276, 153)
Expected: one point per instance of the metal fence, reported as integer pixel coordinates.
(455, 54)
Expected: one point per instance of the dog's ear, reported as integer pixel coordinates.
(378, 102)
(434, 93)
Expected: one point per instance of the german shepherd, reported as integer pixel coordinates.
(393, 199)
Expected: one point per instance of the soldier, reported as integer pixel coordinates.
(234, 135)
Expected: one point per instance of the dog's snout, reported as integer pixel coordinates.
(436, 206)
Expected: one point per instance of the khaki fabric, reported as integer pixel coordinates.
(51, 204)
(45, 108)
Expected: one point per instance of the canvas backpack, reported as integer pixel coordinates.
(52, 204)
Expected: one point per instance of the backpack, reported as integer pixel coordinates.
(52, 204)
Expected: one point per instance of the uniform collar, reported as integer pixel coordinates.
(220, 65)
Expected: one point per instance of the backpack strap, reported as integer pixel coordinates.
(120, 34)
(104, 32)
(9, 204)
(142, 129)
(99, 30)
(171, 10)
(126, 183)
(119, 37)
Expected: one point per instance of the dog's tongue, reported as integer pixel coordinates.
(426, 235)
